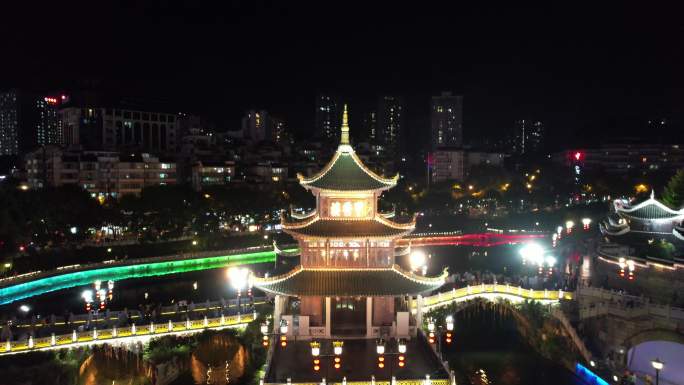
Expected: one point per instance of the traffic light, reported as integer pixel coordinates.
(338, 362)
(402, 360)
(316, 364)
(264, 341)
(448, 337)
(283, 341)
(381, 362)
(431, 337)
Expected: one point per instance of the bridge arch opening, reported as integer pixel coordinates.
(667, 346)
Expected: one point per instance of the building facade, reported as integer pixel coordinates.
(115, 129)
(206, 174)
(101, 173)
(446, 120)
(347, 283)
(626, 157)
(455, 163)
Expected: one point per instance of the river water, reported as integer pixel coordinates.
(487, 348)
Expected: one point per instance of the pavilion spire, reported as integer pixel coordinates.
(344, 138)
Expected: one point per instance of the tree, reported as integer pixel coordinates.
(673, 195)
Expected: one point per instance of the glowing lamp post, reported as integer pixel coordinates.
(238, 277)
(417, 259)
(550, 262)
(402, 346)
(87, 296)
(450, 323)
(585, 223)
(658, 366)
(533, 253)
(380, 347)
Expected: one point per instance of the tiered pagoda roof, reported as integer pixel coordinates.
(346, 172)
(377, 227)
(391, 281)
(647, 210)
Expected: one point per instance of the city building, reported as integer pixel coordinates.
(347, 283)
(370, 126)
(328, 116)
(527, 136)
(28, 120)
(116, 129)
(102, 173)
(205, 174)
(455, 163)
(629, 156)
(390, 121)
(446, 120)
(259, 125)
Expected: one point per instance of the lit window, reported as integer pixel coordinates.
(347, 209)
(359, 207)
(335, 209)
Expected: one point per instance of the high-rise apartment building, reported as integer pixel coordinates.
(390, 120)
(446, 118)
(28, 120)
(528, 136)
(328, 116)
(370, 125)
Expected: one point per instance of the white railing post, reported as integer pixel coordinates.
(169, 326)
(53, 340)
(114, 332)
(74, 336)
(133, 330)
(187, 323)
(223, 319)
(94, 333)
(206, 322)
(8, 346)
(30, 342)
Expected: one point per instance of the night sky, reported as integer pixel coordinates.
(587, 70)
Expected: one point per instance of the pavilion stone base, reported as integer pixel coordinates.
(316, 320)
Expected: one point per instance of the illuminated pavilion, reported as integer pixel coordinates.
(347, 283)
(649, 219)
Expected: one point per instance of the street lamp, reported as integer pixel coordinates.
(24, 308)
(417, 259)
(380, 347)
(658, 366)
(532, 252)
(238, 277)
(449, 323)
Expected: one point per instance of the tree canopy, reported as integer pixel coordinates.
(673, 195)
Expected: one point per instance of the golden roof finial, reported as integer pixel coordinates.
(344, 139)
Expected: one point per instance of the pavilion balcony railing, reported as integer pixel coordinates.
(123, 334)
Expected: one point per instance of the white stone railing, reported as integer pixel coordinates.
(124, 334)
(494, 291)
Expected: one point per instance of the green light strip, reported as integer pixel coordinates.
(45, 285)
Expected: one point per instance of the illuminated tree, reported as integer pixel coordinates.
(673, 195)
